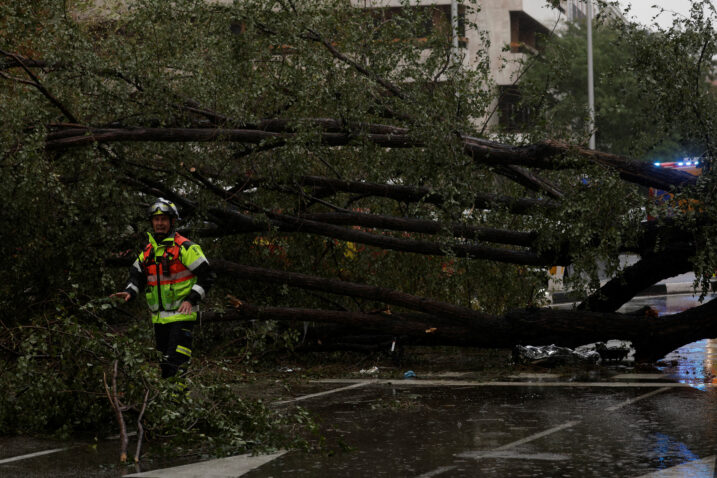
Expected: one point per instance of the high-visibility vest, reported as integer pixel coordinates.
(168, 267)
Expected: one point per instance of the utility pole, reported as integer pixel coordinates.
(591, 85)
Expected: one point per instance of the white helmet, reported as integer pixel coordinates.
(163, 206)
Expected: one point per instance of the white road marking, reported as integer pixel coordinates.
(230, 467)
(31, 455)
(513, 455)
(327, 392)
(473, 383)
(633, 400)
(547, 432)
(640, 376)
(704, 468)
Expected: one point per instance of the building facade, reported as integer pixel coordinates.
(514, 28)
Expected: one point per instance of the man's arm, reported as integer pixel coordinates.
(195, 260)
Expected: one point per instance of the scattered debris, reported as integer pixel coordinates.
(614, 351)
(289, 369)
(369, 371)
(552, 355)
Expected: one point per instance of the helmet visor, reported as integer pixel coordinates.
(160, 208)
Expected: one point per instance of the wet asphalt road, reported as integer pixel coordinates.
(606, 423)
(511, 432)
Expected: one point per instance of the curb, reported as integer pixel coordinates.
(669, 288)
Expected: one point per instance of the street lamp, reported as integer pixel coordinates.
(591, 85)
(454, 26)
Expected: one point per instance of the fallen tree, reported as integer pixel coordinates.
(445, 324)
(297, 165)
(652, 337)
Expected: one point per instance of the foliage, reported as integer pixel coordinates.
(149, 61)
(654, 100)
(62, 362)
(644, 79)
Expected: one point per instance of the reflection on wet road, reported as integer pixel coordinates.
(694, 363)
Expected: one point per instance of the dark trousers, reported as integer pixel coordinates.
(174, 341)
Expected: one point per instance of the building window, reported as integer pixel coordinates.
(577, 13)
(436, 20)
(513, 116)
(526, 34)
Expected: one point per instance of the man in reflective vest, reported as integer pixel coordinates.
(175, 275)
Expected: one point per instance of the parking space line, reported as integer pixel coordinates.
(530, 438)
(473, 383)
(327, 392)
(228, 467)
(633, 400)
(31, 455)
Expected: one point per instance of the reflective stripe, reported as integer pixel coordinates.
(163, 314)
(199, 290)
(133, 287)
(175, 305)
(197, 262)
(165, 317)
(184, 351)
(137, 266)
(185, 275)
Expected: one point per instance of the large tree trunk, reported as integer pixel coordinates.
(237, 222)
(652, 337)
(448, 324)
(649, 270)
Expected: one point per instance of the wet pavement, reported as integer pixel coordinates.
(609, 422)
(510, 431)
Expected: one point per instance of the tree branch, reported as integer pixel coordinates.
(547, 155)
(462, 315)
(37, 84)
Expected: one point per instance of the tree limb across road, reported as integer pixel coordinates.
(549, 155)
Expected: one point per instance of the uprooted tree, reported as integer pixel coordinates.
(335, 165)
